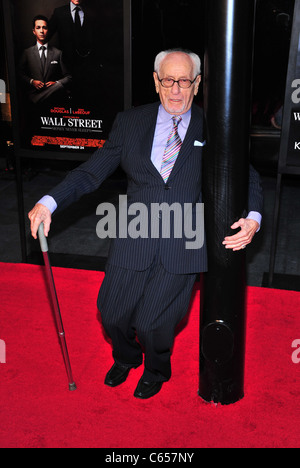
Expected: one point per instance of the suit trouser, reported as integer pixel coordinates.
(140, 311)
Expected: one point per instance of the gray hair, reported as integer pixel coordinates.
(162, 55)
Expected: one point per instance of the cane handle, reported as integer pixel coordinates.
(42, 238)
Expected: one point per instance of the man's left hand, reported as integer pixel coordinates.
(49, 84)
(248, 228)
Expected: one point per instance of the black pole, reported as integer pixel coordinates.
(227, 90)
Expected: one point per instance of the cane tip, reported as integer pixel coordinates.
(72, 387)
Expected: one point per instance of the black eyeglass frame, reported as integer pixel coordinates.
(177, 81)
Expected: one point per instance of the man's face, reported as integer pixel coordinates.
(76, 2)
(176, 100)
(41, 31)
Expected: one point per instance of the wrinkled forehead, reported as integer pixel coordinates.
(177, 64)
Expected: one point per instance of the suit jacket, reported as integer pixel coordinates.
(31, 68)
(130, 145)
(73, 47)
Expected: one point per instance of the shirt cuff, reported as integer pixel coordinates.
(49, 203)
(256, 217)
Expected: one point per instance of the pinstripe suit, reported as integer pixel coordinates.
(148, 282)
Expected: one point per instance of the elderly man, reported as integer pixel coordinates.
(149, 279)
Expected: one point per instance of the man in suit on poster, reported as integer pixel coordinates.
(42, 68)
(74, 26)
(78, 36)
(149, 279)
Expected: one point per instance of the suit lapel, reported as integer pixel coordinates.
(67, 17)
(148, 125)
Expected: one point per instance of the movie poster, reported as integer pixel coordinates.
(70, 72)
(294, 130)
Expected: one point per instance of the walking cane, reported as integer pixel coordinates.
(57, 315)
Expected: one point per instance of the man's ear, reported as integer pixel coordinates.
(198, 81)
(156, 82)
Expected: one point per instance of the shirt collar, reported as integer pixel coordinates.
(41, 45)
(164, 116)
(73, 7)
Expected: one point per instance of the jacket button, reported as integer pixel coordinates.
(167, 187)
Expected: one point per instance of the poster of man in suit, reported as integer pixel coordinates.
(70, 59)
(42, 68)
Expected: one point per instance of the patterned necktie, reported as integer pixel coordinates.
(43, 60)
(172, 149)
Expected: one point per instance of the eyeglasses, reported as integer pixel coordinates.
(183, 83)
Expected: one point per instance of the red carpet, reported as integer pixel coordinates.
(38, 411)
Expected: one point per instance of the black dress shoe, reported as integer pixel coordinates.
(146, 390)
(117, 375)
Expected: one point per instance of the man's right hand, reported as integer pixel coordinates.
(38, 84)
(40, 214)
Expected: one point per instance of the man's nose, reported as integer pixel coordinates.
(176, 88)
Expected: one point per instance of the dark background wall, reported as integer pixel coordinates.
(161, 24)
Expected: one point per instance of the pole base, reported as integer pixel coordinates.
(221, 400)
